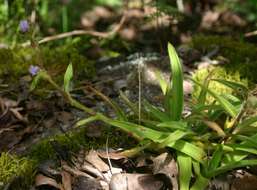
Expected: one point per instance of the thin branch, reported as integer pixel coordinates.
(81, 32)
(249, 34)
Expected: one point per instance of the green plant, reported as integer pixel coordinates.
(215, 138)
(216, 72)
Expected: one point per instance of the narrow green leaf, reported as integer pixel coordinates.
(200, 182)
(138, 131)
(232, 165)
(215, 160)
(185, 171)
(249, 141)
(241, 89)
(189, 149)
(130, 104)
(176, 135)
(234, 156)
(203, 94)
(235, 100)
(176, 96)
(67, 78)
(155, 112)
(174, 125)
(230, 109)
(118, 111)
(163, 84)
(87, 120)
(246, 125)
(244, 148)
(141, 132)
(35, 81)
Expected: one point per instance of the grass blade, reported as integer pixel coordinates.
(200, 182)
(233, 165)
(176, 135)
(130, 104)
(156, 112)
(174, 125)
(176, 96)
(185, 171)
(141, 132)
(119, 112)
(189, 149)
(203, 94)
(230, 108)
(246, 125)
(215, 160)
(163, 84)
(241, 89)
(67, 78)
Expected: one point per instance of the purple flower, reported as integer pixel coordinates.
(33, 70)
(24, 26)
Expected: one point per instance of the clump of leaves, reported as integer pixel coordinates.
(217, 72)
(213, 139)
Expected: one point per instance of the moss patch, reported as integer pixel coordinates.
(12, 166)
(15, 63)
(241, 55)
(217, 73)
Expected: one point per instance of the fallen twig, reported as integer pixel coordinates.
(81, 32)
(250, 34)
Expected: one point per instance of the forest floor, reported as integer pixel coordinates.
(41, 147)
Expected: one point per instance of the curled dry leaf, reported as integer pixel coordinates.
(135, 181)
(165, 164)
(42, 180)
(88, 168)
(66, 180)
(93, 158)
(75, 172)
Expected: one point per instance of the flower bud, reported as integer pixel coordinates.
(24, 26)
(33, 70)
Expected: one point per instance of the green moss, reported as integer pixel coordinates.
(15, 63)
(13, 166)
(217, 73)
(242, 56)
(74, 141)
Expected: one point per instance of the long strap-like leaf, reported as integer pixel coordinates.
(176, 95)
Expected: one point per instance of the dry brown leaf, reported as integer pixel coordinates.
(165, 164)
(245, 181)
(75, 172)
(16, 113)
(135, 182)
(42, 180)
(84, 183)
(88, 168)
(66, 180)
(112, 155)
(93, 158)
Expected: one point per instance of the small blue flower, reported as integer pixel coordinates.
(33, 70)
(24, 26)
